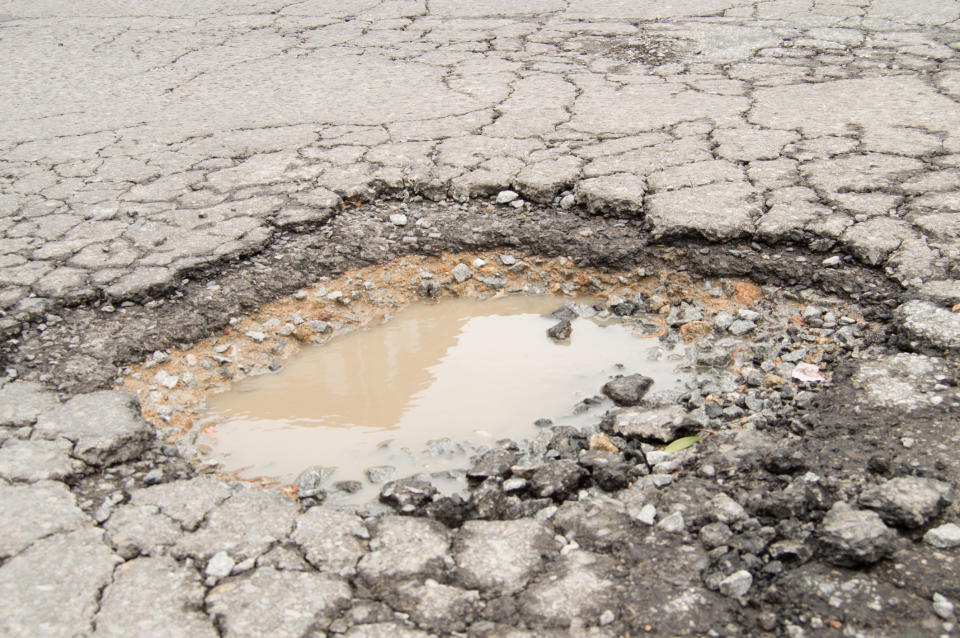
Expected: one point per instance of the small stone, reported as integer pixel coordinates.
(220, 565)
(505, 197)
(673, 523)
(601, 441)
(508, 260)
(379, 473)
(907, 442)
(567, 202)
(166, 380)
(607, 617)
(407, 495)
(461, 272)
(736, 584)
(398, 219)
(946, 536)
(627, 390)
(153, 477)
(854, 537)
(256, 336)
(830, 262)
(647, 514)
(560, 331)
(942, 607)
(908, 501)
(741, 327)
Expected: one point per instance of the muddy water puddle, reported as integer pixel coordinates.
(403, 397)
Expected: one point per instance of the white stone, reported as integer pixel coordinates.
(505, 197)
(220, 565)
(736, 584)
(944, 537)
(398, 219)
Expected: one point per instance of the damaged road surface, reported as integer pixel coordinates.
(775, 184)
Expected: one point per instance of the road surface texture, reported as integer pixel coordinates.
(167, 166)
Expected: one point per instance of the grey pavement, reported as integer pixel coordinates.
(142, 142)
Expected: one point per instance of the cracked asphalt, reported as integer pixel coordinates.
(165, 167)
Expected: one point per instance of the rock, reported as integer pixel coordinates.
(407, 495)
(219, 566)
(22, 402)
(492, 463)
(505, 197)
(946, 536)
(564, 312)
(398, 219)
(488, 500)
(627, 390)
(714, 535)
(256, 336)
(609, 470)
(332, 540)
(270, 602)
(852, 537)
(311, 480)
(942, 607)
(105, 427)
(557, 479)
(379, 473)
(402, 548)
(560, 331)
(660, 425)
(153, 597)
(461, 272)
(52, 588)
(741, 327)
(31, 512)
(502, 556)
(736, 584)
(507, 260)
(672, 523)
(908, 501)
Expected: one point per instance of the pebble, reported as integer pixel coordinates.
(256, 336)
(398, 219)
(947, 536)
(461, 272)
(508, 260)
(220, 565)
(741, 327)
(673, 523)
(505, 197)
(736, 584)
(607, 617)
(942, 607)
(567, 202)
(647, 514)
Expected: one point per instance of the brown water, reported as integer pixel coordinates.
(461, 369)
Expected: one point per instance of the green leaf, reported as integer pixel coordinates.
(682, 444)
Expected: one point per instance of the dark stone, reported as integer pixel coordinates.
(488, 499)
(560, 331)
(609, 470)
(557, 479)
(350, 487)
(452, 511)
(568, 441)
(492, 463)
(311, 480)
(563, 313)
(625, 309)
(407, 496)
(627, 390)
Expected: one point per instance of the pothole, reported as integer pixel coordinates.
(423, 365)
(427, 388)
